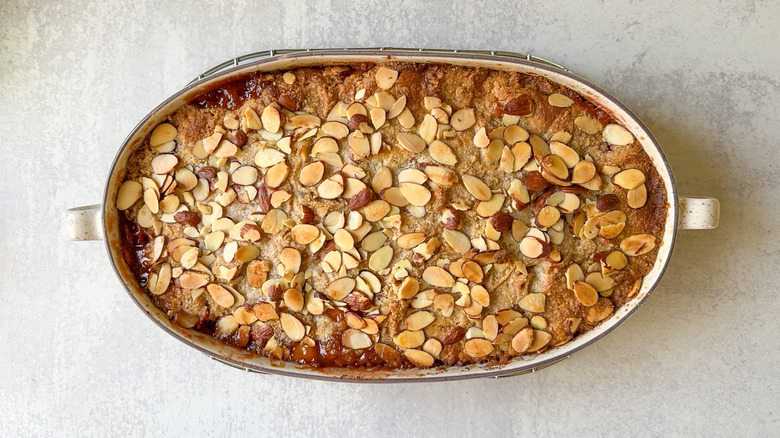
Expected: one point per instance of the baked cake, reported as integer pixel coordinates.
(391, 215)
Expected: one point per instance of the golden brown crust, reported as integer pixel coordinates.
(321, 330)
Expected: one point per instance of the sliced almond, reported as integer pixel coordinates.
(265, 311)
(396, 108)
(381, 258)
(441, 176)
(574, 274)
(479, 294)
(587, 125)
(514, 134)
(408, 288)
(163, 133)
(355, 339)
(193, 279)
(616, 260)
(271, 119)
(304, 234)
(386, 77)
(290, 259)
(491, 206)
(269, 157)
(410, 240)
(312, 173)
(638, 244)
(409, 339)
(293, 298)
(340, 288)
(533, 302)
(164, 163)
(559, 100)
(569, 156)
(376, 210)
(276, 175)
(383, 178)
(416, 194)
(629, 178)
(225, 149)
(617, 135)
(418, 320)
(221, 296)
(637, 197)
(523, 340)
(292, 327)
(438, 277)
(583, 172)
(129, 192)
(476, 187)
(481, 139)
(163, 280)
(463, 119)
(478, 347)
(332, 187)
(411, 142)
(419, 358)
(585, 293)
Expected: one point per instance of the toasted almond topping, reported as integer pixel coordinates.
(599, 281)
(629, 178)
(163, 280)
(410, 240)
(129, 192)
(541, 339)
(381, 258)
(416, 194)
(490, 207)
(292, 327)
(376, 210)
(559, 100)
(555, 166)
(226, 149)
(514, 134)
(476, 187)
(410, 142)
(276, 175)
(583, 172)
(638, 244)
(617, 135)
(221, 296)
(163, 133)
(293, 298)
(523, 340)
(340, 288)
(245, 175)
(344, 240)
(569, 156)
(271, 119)
(304, 234)
(332, 187)
(587, 125)
(533, 302)
(409, 339)
(408, 288)
(463, 119)
(265, 311)
(396, 108)
(585, 293)
(616, 260)
(438, 277)
(164, 163)
(477, 347)
(418, 320)
(636, 198)
(290, 259)
(419, 358)
(481, 139)
(479, 294)
(385, 77)
(441, 176)
(472, 271)
(355, 339)
(193, 280)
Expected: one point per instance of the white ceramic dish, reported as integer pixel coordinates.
(102, 221)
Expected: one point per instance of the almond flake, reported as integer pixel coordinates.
(476, 187)
(385, 77)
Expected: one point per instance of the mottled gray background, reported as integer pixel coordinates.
(699, 358)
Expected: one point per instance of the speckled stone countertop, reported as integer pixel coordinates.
(701, 357)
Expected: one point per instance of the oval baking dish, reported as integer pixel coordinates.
(94, 222)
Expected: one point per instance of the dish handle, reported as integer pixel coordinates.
(698, 213)
(83, 223)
